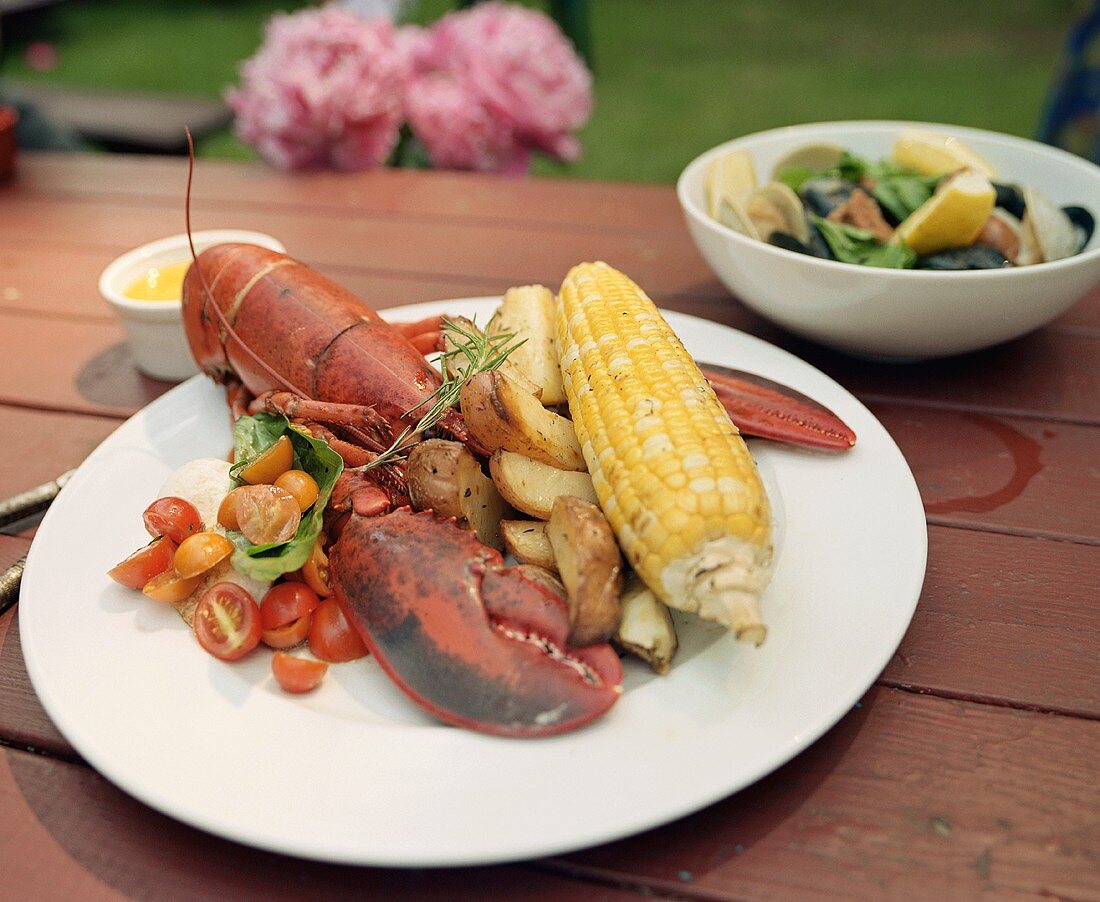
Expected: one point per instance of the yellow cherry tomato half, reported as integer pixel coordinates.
(171, 587)
(266, 515)
(200, 552)
(315, 571)
(301, 485)
(270, 465)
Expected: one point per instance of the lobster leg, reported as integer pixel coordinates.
(364, 420)
(767, 409)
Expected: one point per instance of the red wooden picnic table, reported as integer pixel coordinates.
(968, 769)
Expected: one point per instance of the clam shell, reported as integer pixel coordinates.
(731, 176)
(1084, 223)
(774, 207)
(814, 157)
(1050, 231)
(733, 215)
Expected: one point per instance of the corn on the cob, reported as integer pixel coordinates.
(671, 471)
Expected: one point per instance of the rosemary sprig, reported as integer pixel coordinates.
(473, 352)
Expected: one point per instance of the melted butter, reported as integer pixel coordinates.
(160, 283)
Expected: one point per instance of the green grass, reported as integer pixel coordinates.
(673, 77)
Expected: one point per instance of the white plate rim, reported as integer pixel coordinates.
(50, 685)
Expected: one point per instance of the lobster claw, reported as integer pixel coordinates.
(768, 409)
(475, 644)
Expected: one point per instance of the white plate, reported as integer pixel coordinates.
(355, 773)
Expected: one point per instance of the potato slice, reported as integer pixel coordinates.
(529, 313)
(446, 478)
(545, 578)
(645, 627)
(526, 541)
(531, 486)
(590, 567)
(500, 414)
(507, 367)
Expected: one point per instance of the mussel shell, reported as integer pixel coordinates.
(972, 256)
(1011, 198)
(1084, 224)
(734, 216)
(823, 195)
(775, 207)
(790, 243)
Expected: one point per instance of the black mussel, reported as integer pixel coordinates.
(788, 242)
(1010, 198)
(823, 195)
(1083, 224)
(973, 256)
(816, 247)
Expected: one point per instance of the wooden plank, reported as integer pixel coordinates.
(33, 281)
(665, 262)
(69, 834)
(1047, 374)
(23, 722)
(908, 797)
(394, 192)
(40, 446)
(62, 364)
(1005, 619)
(1017, 474)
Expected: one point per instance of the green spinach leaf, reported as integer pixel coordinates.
(254, 435)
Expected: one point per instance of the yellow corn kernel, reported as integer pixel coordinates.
(689, 510)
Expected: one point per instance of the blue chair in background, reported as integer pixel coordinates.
(1071, 114)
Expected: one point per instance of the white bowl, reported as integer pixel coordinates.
(154, 329)
(898, 314)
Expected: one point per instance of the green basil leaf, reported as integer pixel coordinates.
(796, 175)
(891, 256)
(848, 244)
(852, 167)
(852, 245)
(902, 194)
(255, 435)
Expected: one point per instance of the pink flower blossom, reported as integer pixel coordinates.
(324, 90)
(458, 131)
(499, 70)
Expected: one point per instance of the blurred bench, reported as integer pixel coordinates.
(124, 120)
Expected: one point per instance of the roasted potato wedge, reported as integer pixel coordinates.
(526, 541)
(531, 486)
(544, 578)
(501, 414)
(645, 626)
(590, 566)
(446, 478)
(528, 313)
(509, 368)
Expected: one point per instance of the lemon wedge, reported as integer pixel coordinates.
(952, 217)
(930, 153)
(731, 176)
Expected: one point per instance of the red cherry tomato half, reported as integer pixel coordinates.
(286, 603)
(227, 621)
(141, 566)
(297, 674)
(331, 637)
(266, 514)
(172, 517)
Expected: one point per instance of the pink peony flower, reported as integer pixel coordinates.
(458, 131)
(503, 65)
(324, 90)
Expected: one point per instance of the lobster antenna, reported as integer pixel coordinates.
(209, 295)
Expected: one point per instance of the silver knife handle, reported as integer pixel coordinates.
(32, 501)
(9, 584)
